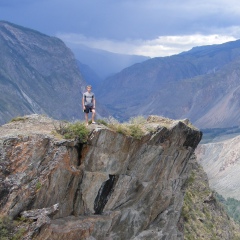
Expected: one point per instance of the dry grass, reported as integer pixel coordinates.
(134, 127)
(17, 119)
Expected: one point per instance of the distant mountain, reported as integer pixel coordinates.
(38, 74)
(220, 160)
(219, 134)
(89, 75)
(202, 84)
(105, 63)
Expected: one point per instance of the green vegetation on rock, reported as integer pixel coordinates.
(203, 216)
(10, 229)
(133, 128)
(16, 119)
(73, 130)
(102, 121)
(232, 207)
(38, 186)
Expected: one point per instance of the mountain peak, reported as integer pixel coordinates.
(38, 74)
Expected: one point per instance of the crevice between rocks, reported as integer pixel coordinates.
(79, 148)
(77, 199)
(104, 194)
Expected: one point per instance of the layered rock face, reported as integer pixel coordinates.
(112, 187)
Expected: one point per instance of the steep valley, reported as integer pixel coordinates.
(201, 85)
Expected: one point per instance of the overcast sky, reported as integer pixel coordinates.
(144, 27)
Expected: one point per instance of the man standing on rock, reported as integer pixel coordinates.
(89, 103)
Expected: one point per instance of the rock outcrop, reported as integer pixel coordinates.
(112, 187)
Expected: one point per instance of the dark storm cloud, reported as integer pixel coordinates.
(145, 19)
(126, 20)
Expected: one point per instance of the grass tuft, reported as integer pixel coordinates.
(73, 130)
(133, 128)
(16, 119)
(38, 186)
(9, 229)
(102, 121)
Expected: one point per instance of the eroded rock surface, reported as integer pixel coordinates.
(112, 187)
(220, 160)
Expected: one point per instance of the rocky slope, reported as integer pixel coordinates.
(38, 74)
(220, 160)
(201, 85)
(203, 216)
(112, 187)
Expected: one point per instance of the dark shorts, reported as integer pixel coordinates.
(88, 109)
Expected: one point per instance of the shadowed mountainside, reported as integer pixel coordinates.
(38, 74)
(104, 63)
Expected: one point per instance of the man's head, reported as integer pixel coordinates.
(89, 88)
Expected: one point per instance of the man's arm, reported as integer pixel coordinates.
(94, 103)
(83, 102)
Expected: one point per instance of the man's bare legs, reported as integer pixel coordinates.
(86, 118)
(93, 115)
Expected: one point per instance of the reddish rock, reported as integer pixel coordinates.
(112, 187)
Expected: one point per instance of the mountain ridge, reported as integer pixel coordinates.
(38, 74)
(150, 87)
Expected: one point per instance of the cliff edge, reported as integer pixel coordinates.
(112, 187)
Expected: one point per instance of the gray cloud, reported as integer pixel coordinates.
(144, 19)
(125, 20)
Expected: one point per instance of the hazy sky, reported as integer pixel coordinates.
(144, 27)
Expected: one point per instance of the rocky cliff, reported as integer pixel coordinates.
(112, 187)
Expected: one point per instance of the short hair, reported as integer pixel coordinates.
(89, 86)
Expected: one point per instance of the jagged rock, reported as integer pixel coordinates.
(37, 213)
(112, 187)
(42, 216)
